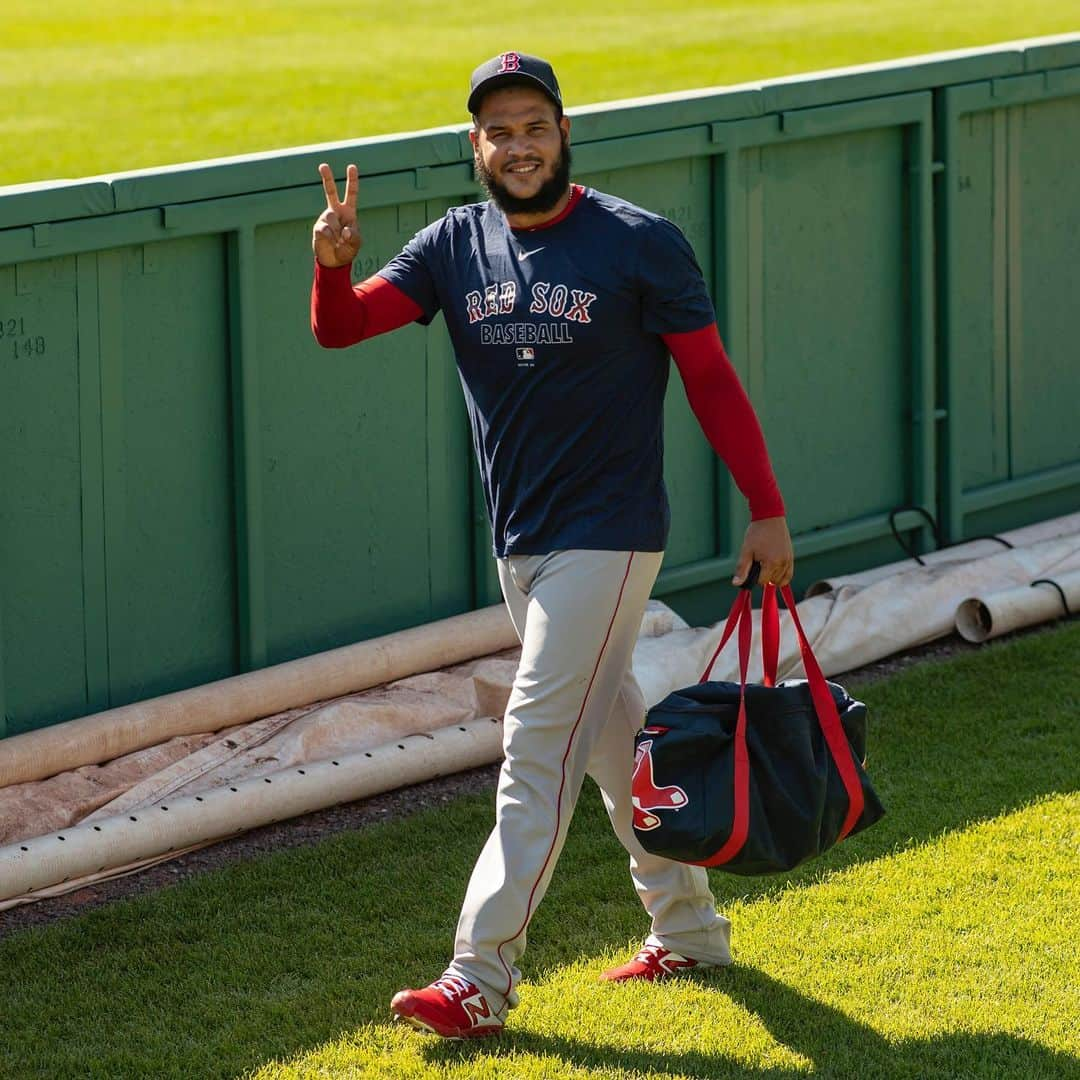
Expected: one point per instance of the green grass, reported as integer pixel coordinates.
(121, 84)
(940, 943)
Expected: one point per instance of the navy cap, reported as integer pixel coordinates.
(509, 68)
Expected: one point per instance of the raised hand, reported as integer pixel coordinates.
(335, 238)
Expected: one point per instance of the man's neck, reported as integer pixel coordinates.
(533, 220)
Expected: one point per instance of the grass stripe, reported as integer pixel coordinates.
(120, 85)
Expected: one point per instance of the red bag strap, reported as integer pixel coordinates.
(829, 719)
(742, 600)
(770, 635)
(770, 632)
(740, 822)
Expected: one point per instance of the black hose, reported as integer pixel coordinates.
(1061, 592)
(936, 531)
(899, 539)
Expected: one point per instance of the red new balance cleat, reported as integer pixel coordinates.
(451, 1007)
(652, 963)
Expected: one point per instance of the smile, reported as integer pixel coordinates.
(523, 168)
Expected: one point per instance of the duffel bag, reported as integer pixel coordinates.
(753, 779)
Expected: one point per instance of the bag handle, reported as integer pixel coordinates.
(770, 627)
(824, 708)
(742, 600)
(770, 635)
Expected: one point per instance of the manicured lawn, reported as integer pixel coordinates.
(122, 84)
(940, 943)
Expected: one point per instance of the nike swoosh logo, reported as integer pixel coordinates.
(522, 255)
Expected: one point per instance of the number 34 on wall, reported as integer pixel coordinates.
(13, 335)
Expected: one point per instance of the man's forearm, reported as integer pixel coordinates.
(726, 416)
(343, 314)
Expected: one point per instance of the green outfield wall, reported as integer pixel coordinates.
(193, 488)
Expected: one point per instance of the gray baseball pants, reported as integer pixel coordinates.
(573, 709)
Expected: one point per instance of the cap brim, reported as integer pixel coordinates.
(508, 78)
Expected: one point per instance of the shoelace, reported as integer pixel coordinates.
(650, 953)
(451, 986)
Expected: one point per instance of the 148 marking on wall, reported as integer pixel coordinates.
(13, 336)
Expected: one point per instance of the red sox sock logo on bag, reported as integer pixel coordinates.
(646, 796)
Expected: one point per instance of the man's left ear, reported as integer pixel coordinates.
(564, 125)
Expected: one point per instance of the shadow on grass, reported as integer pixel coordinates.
(267, 960)
(836, 1046)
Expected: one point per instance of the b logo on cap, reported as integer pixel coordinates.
(510, 62)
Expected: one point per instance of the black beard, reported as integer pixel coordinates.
(551, 191)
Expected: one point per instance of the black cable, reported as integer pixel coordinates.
(896, 534)
(987, 536)
(937, 533)
(1061, 592)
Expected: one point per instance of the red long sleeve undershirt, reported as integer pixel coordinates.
(726, 416)
(343, 314)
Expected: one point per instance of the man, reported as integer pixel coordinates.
(562, 304)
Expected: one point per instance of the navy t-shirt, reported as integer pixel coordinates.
(557, 336)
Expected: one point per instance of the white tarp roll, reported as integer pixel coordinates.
(857, 624)
(991, 614)
(175, 824)
(974, 549)
(278, 767)
(89, 740)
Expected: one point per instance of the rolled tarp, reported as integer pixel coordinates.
(991, 614)
(858, 624)
(186, 764)
(103, 736)
(132, 839)
(1067, 525)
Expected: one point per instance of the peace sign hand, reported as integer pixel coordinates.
(335, 238)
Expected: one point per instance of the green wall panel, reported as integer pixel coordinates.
(41, 591)
(167, 466)
(1044, 257)
(828, 272)
(977, 344)
(1009, 284)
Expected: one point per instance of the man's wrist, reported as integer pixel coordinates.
(321, 267)
(767, 511)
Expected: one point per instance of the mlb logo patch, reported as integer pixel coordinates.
(525, 353)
